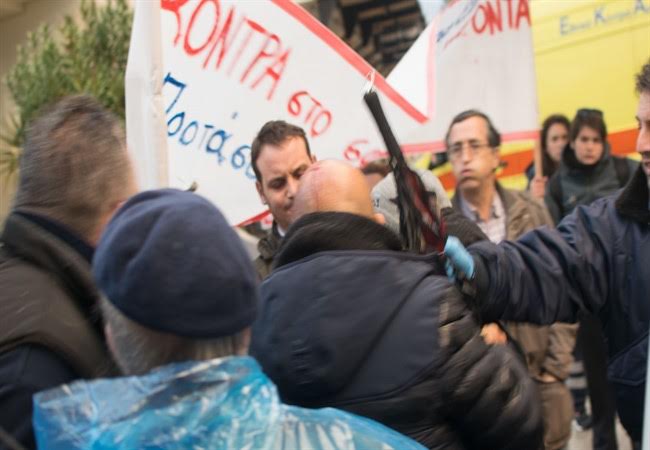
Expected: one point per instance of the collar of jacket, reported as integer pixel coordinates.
(570, 160)
(62, 232)
(632, 202)
(268, 246)
(522, 212)
(514, 203)
(327, 231)
(40, 247)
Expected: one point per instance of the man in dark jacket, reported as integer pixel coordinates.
(348, 320)
(588, 171)
(596, 261)
(473, 147)
(74, 172)
(179, 297)
(279, 156)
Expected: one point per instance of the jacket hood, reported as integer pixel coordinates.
(321, 316)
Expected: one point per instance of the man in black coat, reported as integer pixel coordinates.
(597, 261)
(74, 173)
(348, 320)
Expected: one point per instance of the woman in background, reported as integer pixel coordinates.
(555, 136)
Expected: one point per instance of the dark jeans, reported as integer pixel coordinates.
(603, 406)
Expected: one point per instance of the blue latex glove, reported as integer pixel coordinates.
(459, 263)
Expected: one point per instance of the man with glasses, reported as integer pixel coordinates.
(473, 150)
(597, 261)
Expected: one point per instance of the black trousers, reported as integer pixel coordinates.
(603, 405)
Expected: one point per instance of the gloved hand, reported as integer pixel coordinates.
(459, 263)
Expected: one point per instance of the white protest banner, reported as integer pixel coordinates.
(226, 68)
(475, 54)
(145, 121)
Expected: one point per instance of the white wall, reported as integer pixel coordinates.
(13, 32)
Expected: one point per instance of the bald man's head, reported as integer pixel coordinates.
(333, 186)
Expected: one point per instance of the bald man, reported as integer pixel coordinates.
(331, 185)
(347, 320)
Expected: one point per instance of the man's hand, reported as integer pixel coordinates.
(493, 334)
(459, 263)
(546, 377)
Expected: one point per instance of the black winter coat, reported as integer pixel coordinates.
(597, 261)
(381, 334)
(50, 333)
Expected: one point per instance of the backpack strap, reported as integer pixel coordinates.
(622, 170)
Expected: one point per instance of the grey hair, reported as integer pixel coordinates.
(138, 349)
(74, 166)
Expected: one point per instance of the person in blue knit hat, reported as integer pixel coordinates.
(179, 297)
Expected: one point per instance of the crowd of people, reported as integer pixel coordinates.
(137, 320)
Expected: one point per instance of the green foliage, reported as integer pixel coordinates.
(88, 56)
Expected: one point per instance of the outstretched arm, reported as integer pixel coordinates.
(548, 275)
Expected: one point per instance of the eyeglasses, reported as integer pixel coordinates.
(456, 150)
(582, 112)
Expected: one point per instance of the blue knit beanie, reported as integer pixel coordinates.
(169, 261)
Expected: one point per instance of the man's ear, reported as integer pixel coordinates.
(260, 192)
(379, 218)
(497, 159)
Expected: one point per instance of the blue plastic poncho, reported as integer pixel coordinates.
(219, 404)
